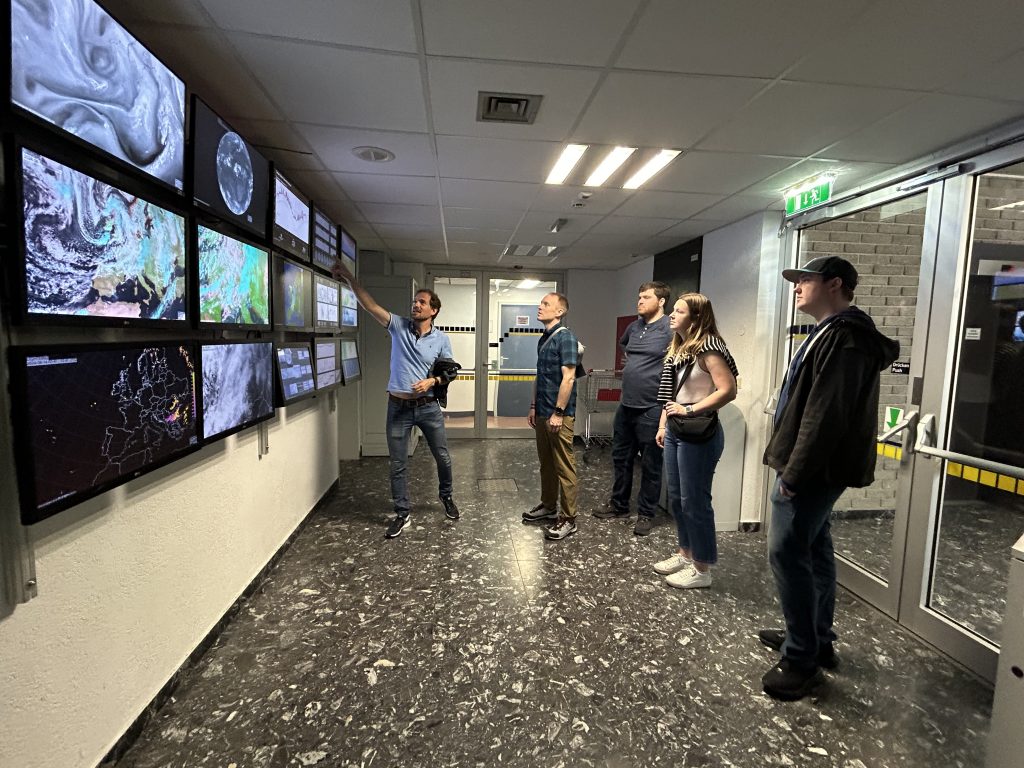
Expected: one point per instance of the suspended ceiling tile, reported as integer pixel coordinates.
(1003, 79)
(385, 24)
(180, 12)
(558, 198)
(687, 230)
(413, 156)
(802, 118)
(576, 223)
(407, 231)
(850, 175)
(632, 225)
(737, 207)
(468, 157)
(474, 250)
(331, 86)
(343, 212)
(479, 217)
(477, 235)
(732, 37)
(454, 86)
(381, 188)
(566, 32)
(491, 195)
(412, 215)
(669, 205)
(717, 172)
(935, 122)
(318, 185)
(413, 244)
(661, 110)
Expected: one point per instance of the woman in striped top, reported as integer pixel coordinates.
(697, 347)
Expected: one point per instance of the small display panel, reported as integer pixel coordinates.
(231, 178)
(234, 281)
(325, 240)
(238, 386)
(95, 417)
(291, 219)
(292, 296)
(93, 250)
(328, 363)
(295, 372)
(75, 67)
(1018, 329)
(348, 251)
(349, 361)
(328, 300)
(349, 308)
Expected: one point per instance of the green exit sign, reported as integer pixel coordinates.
(809, 195)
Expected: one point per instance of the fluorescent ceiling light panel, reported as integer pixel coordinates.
(651, 167)
(566, 162)
(528, 284)
(609, 165)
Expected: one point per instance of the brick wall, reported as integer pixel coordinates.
(1006, 226)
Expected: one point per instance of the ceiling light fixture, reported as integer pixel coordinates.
(559, 223)
(527, 284)
(609, 165)
(651, 167)
(566, 162)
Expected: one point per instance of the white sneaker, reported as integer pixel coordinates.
(689, 578)
(672, 564)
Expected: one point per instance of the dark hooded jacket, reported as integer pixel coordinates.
(448, 370)
(825, 434)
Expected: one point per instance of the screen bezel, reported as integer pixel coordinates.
(203, 439)
(21, 113)
(336, 341)
(279, 326)
(283, 239)
(280, 399)
(18, 272)
(335, 228)
(345, 379)
(316, 320)
(231, 218)
(195, 290)
(25, 465)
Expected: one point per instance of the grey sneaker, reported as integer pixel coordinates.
(540, 512)
(562, 528)
(644, 525)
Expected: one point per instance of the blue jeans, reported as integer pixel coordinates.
(804, 564)
(690, 469)
(634, 432)
(430, 420)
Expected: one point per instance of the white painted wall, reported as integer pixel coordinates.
(740, 274)
(131, 581)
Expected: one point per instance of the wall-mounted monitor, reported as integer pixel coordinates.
(328, 363)
(293, 296)
(92, 250)
(349, 361)
(92, 417)
(291, 219)
(327, 296)
(238, 386)
(234, 281)
(232, 179)
(325, 240)
(348, 250)
(74, 67)
(349, 308)
(295, 377)
(1018, 327)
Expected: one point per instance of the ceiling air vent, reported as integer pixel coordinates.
(507, 107)
(374, 154)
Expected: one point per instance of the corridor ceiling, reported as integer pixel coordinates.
(757, 95)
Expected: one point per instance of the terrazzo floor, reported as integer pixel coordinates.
(477, 643)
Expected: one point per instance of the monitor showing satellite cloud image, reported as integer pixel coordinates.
(292, 302)
(295, 367)
(349, 311)
(349, 361)
(75, 67)
(234, 281)
(238, 386)
(94, 250)
(98, 417)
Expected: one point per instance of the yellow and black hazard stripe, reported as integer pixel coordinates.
(964, 472)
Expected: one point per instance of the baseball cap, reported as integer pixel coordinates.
(828, 267)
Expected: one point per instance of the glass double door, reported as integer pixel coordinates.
(942, 271)
(491, 318)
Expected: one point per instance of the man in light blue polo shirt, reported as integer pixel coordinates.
(415, 346)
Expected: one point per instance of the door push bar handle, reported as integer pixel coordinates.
(926, 440)
(909, 422)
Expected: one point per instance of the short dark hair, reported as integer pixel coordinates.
(435, 300)
(562, 300)
(661, 290)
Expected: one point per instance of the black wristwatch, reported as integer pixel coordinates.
(559, 411)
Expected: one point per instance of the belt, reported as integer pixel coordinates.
(412, 403)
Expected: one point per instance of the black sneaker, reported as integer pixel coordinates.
(540, 512)
(787, 681)
(562, 528)
(773, 638)
(609, 511)
(396, 526)
(450, 510)
(644, 525)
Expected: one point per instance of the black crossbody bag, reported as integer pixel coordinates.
(698, 428)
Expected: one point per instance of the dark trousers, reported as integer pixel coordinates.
(804, 565)
(401, 420)
(634, 431)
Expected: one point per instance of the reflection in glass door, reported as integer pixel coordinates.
(458, 318)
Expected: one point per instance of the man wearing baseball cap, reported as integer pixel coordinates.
(823, 442)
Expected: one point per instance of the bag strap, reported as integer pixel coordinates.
(684, 377)
(549, 338)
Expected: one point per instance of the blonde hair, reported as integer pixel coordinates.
(702, 327)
